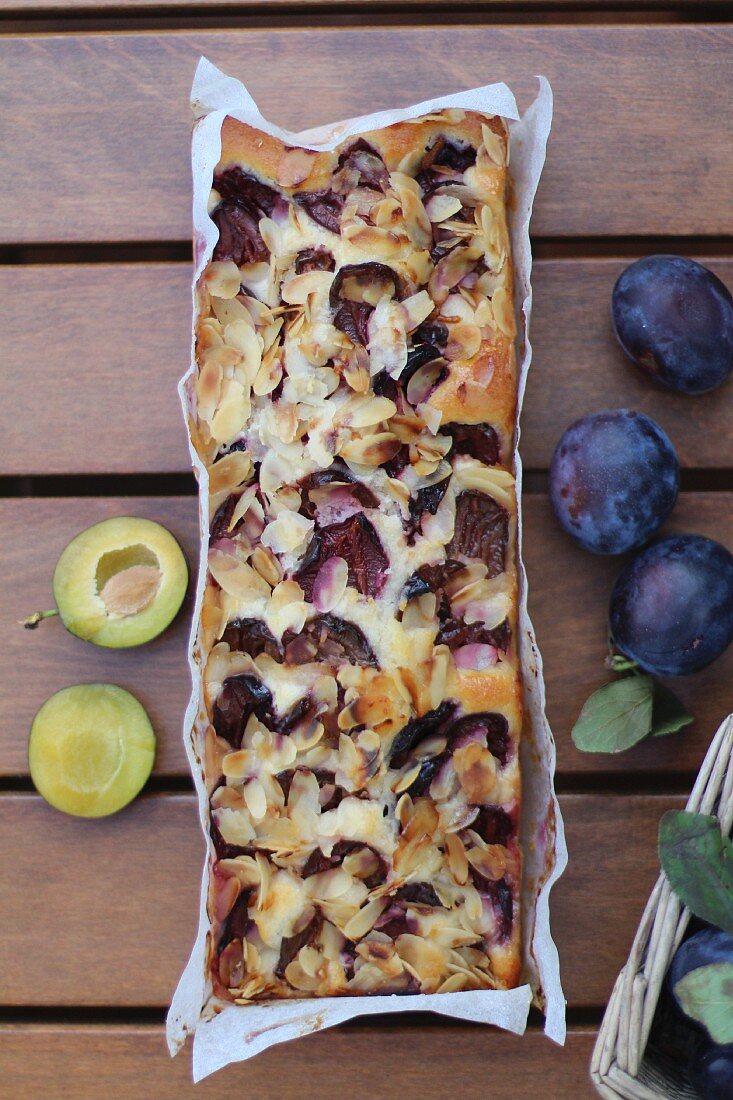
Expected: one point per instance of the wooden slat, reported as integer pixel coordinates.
(427, 1060)
(633, 9)
(569, 591)
(113, 341)
(98, 125)
(42, 661)
(104, 912)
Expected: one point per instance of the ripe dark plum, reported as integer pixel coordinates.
(706, 947)
(613, 480)
(712, 1074)
(672, 606)
(674, 319)
(354, 539)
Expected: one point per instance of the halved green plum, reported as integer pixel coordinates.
(91, 749)
(120, 583)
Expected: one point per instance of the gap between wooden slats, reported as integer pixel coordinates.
(113, 339)
(127, 888)
(110, 113)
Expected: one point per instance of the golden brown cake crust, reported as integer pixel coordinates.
(355, 407)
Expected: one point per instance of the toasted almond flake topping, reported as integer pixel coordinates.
(418, 308)
(476, 770)
(503, 310)
(131, 590)
(440, 206)
(370, 450)
(288, 532)
(236, 577)
(494, 146)
(330, 584)
(222, 279)
(364, 412)
(230, 472)
(464, 341)
(295, 166)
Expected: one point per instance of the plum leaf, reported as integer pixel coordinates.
(668, 714)
(706, 995)
(698, 861)
(616, 716)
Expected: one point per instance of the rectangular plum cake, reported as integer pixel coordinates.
(355, 406)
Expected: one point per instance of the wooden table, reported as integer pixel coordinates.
(96, 918)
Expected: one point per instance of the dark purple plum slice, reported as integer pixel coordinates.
(416, 730)
(355, 540)
(240, 697)
(291, 945)
(323, 206)
(252, 636)
(314, 259)
(481, 530)
(328, 638)
(418, 893)
(478, 441)
(494, 727)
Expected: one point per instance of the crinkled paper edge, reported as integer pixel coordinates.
(233, 1033)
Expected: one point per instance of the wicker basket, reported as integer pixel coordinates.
(621, 1066)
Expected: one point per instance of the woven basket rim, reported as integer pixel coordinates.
(624, 1031)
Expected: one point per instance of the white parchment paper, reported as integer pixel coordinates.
(224, 1032)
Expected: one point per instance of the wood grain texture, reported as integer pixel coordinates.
(87, 1063)
(99, 125)
(104, 912)
(640, 9)
(568, 591)
(114, 339)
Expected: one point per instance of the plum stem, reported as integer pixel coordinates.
(37, 617)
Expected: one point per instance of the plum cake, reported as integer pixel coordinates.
(354, 405)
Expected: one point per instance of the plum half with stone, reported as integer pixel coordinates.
(91, 749)
(119, 583)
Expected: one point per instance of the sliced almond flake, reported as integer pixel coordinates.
(267, 565)
(229, 472)
(448, 273)
(365, 919)
(208, 335)
(306, 737)
(404, 810)
(381, 243)
(440, 207)
(416, 221)
(268, 378)
(476, 770)
(364, 412)
(406, 780)
(438, 674)
(208, 389)
(420, 613)
(288, 532)
(229, 310)
(417, 308)
(328, 884)
(497, 483)
(494, 146)
(453, 984)
(387, 213)
(236, 577)
(491, 862)
(464, 341)
(371, 450)
(241, 336)
(297, 290)
(330, 584)
(223, 279)
(457, 860)
(294, 167)
(503, 310)
(232, 413)
(131, 590)
(254, 796)
(433, 417)
(419, 266)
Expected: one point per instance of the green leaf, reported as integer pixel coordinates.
(618, 663)
(616, 716)
(668, 713)
(698, 861)
(706, 995)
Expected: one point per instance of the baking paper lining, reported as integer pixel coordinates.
(226, 1033)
